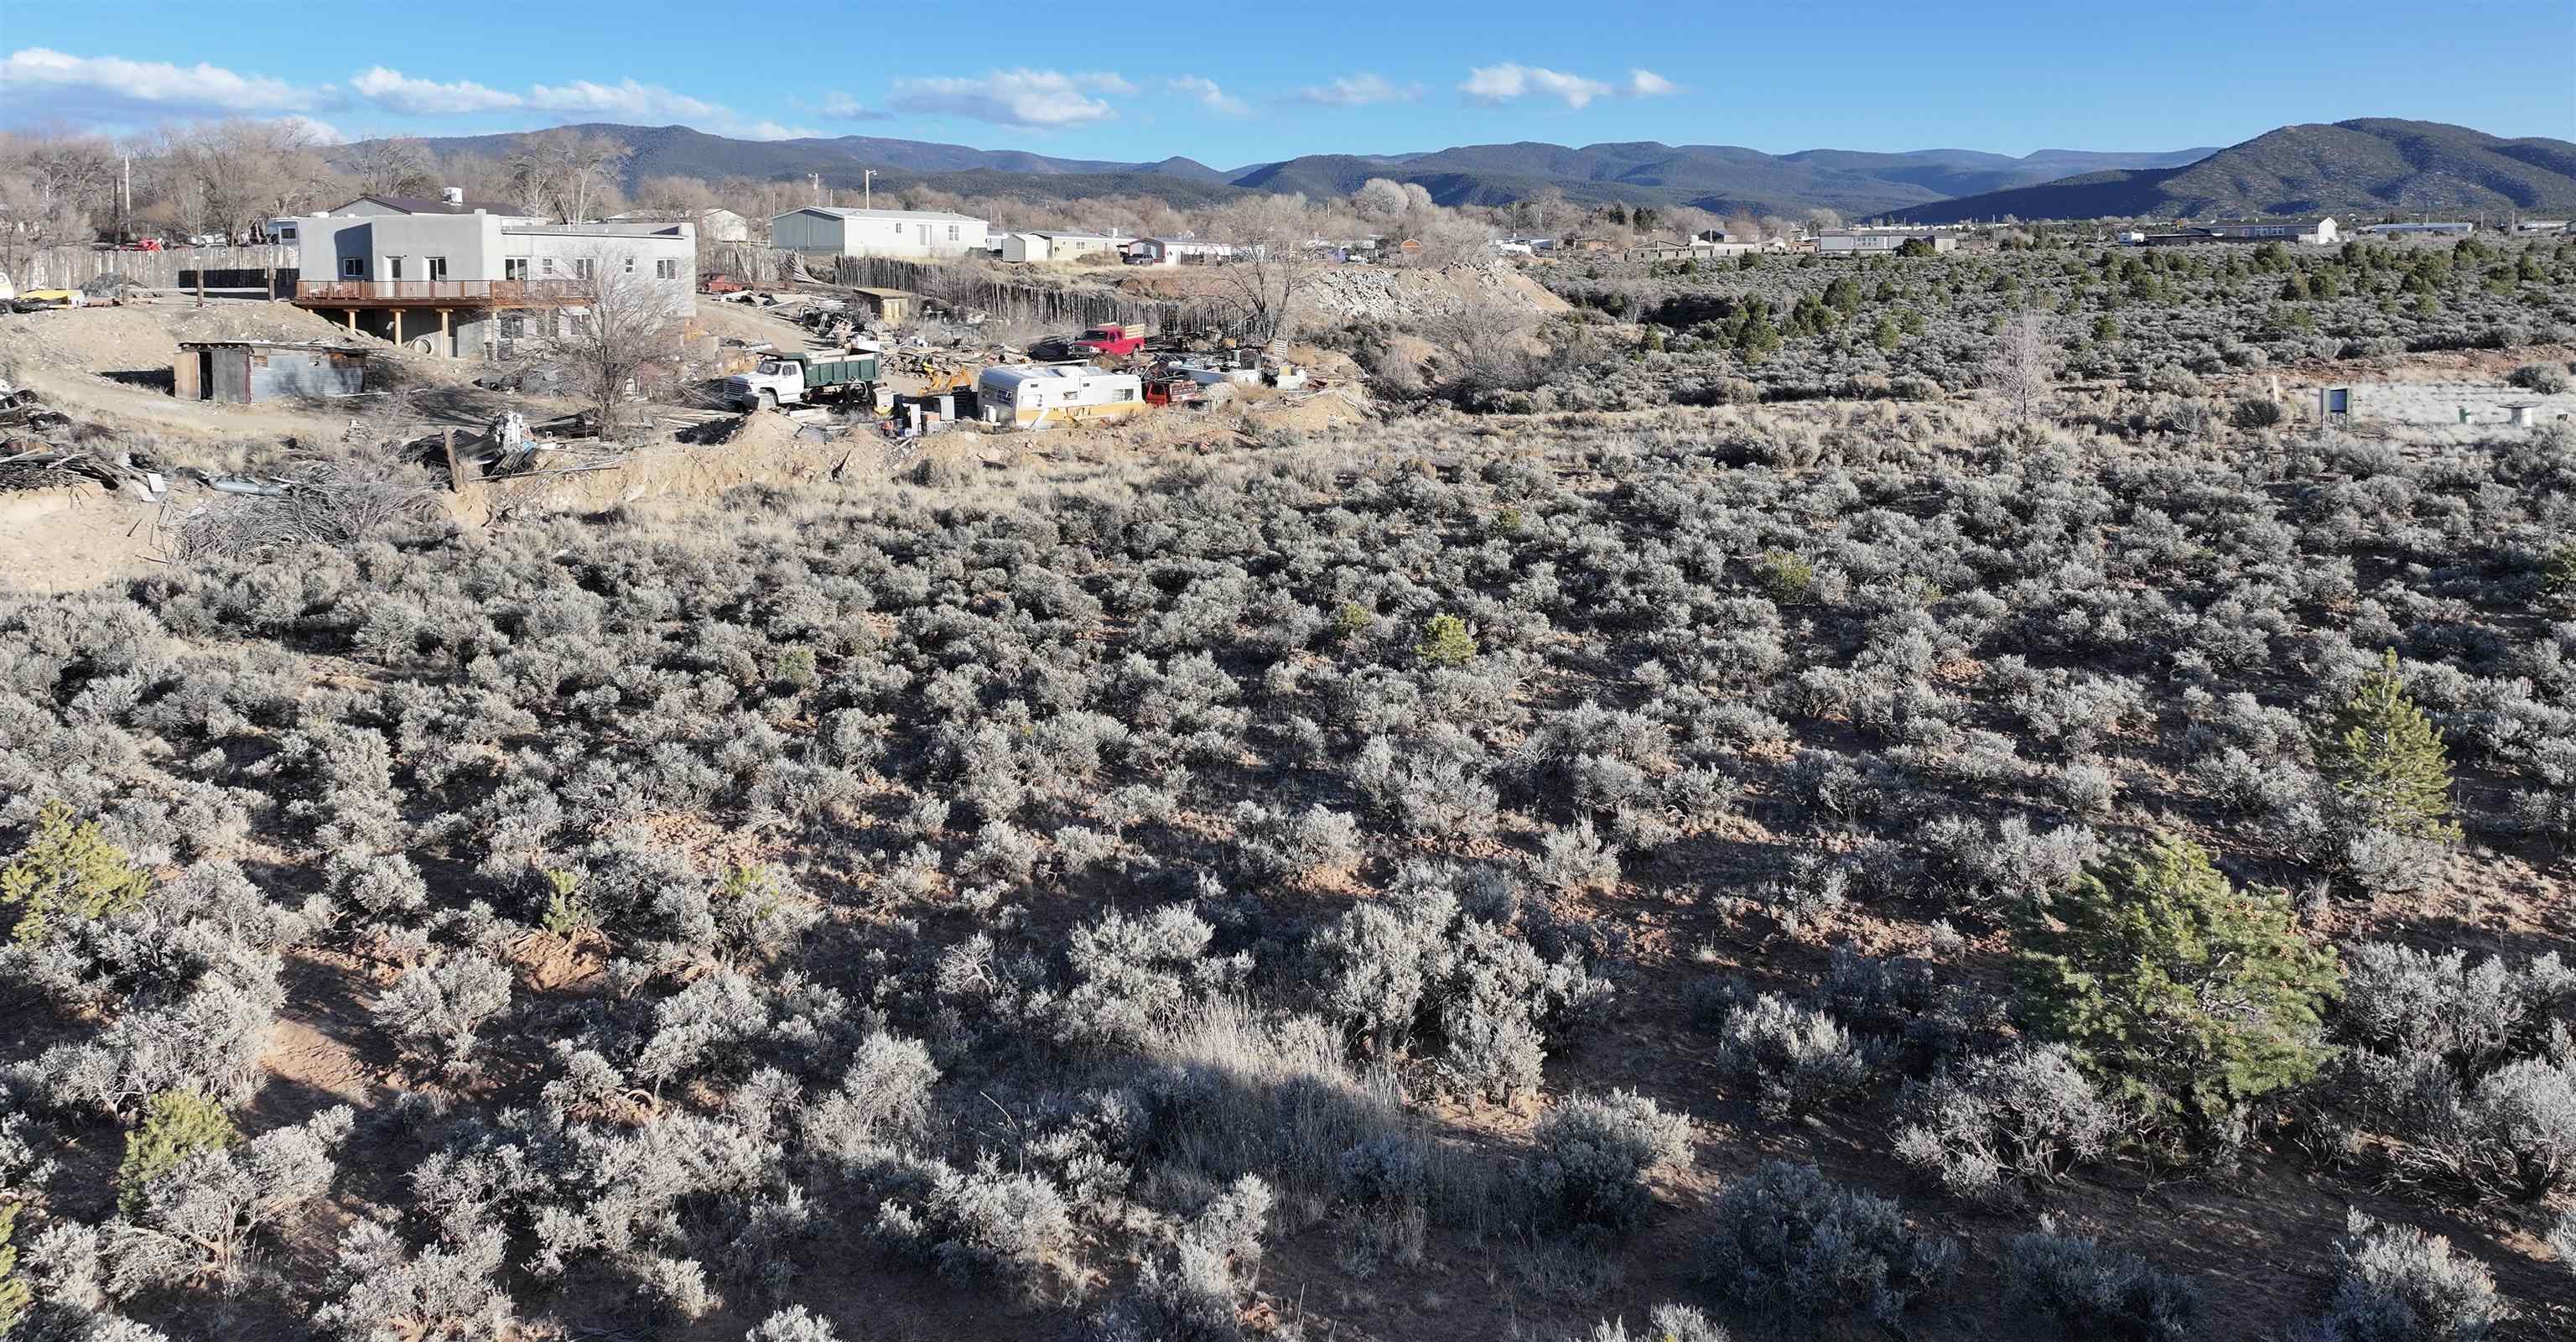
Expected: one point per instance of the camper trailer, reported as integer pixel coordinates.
(1035, 396)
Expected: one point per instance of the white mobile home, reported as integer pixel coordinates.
(1033, 396)
(1051, 246)
(828, 230)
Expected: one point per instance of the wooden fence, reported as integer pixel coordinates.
(270, 268)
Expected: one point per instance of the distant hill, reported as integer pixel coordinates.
(1967, 172)
(2352, 166)
(2361, 167)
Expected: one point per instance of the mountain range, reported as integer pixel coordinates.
(2365, 166)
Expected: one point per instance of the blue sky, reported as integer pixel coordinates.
(1092, 83)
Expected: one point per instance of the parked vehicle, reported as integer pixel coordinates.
(35, 300)
(800, 379)
(143, 245)
(1111, 339)
(718, 282)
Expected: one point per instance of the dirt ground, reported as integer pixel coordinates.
(61, 540)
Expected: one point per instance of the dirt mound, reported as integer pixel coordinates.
(1396, 294)
(88, 340)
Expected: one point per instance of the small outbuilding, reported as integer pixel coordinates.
(242, 372)
(894, 307)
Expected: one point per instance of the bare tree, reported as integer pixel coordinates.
(625, 331)
(247, 171)
(1452, 240)
(1379, 199)
(566, 174)
(399, 166)
(2021, 367)
(1271, 268)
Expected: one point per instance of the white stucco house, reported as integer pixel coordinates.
(465, 285)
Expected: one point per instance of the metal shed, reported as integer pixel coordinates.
(244, 371)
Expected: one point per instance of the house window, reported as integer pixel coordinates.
(513, 327)
(393, 267)
(353, 267)
(952, 232)
(286, 233)
(666, 270)
(514, 267)
(630, 263)
(581, 268)
(438, 267)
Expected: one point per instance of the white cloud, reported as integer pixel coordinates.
(1505, 82)
(398, 92)
(625, 98)
(1359, 90)
(1034, 99)
(321, 132)
(111, 85)
(1502, 83)
(843, 107)
(1208, 94)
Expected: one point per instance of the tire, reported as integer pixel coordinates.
(769, 400)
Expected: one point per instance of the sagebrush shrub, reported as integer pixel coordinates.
(2396, 1283)
(1796, 1058)
(1992, 1127)
(1593, 1152)
(2091, 1292)
(1788, 1241)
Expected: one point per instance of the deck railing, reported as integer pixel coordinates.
(462, 293)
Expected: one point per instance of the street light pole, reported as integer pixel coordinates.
(867, 188)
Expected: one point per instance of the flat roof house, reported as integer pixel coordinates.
(449, 200)
(831, 230)
(467, 285)
(1059, 246)
(2450, 229)
(1180, 251)
(715, 224)
(1878, 242)
(2321, 231)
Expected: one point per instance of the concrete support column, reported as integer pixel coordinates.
(446, 342)
(352, 315)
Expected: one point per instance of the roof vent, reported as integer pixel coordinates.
(453, 195)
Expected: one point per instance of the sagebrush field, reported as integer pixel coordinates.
(1584, 856)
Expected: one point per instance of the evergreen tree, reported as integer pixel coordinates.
(2387, 759)
(68, 869)
(2559, 577)
(2183, 993)
(177, 1124)
(1446, 642)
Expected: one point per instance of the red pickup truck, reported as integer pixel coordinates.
(1111, 339)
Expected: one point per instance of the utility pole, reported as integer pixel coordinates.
(868, 188)
(817, 179)
(125, 199)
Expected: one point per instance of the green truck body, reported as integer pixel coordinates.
(791, 379)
